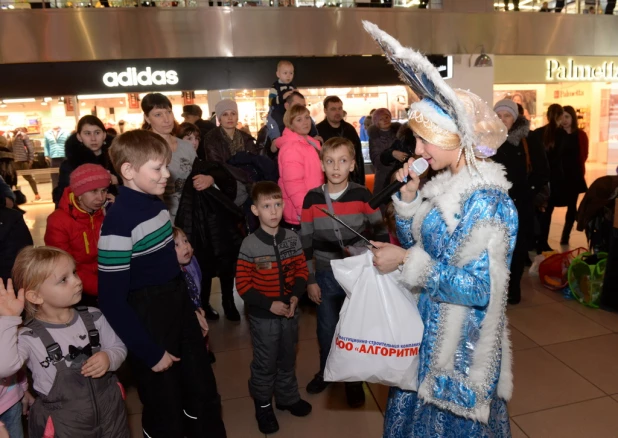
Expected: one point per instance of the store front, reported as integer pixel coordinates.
(112, 90)
(588, 84)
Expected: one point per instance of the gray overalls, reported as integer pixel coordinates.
(77, 406)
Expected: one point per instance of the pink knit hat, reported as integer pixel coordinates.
(89, 177)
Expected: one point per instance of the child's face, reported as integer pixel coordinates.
(184, 250)
(269, 211)
(62, 289)
(151, 178)
(285, 73)
(193, 139)
(301, 124)
(337, 164)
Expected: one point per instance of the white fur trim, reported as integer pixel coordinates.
(407, 209)
(505, 383)
(414, 272)
(455, 316)
(431, 114)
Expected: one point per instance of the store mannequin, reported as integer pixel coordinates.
(53, 145)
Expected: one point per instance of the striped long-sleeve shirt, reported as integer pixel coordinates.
(318, 232)
(136, 250)
(270, 268)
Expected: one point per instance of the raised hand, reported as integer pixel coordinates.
(10, 305)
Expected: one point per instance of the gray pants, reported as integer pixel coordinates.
(24, 165)
(274, 359)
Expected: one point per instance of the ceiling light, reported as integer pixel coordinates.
(2, 104)
(44, 103)
(483, 59)
(28, 100)
(102, 96)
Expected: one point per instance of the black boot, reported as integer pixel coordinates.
(229, 307)
(355, 394)
(299, 409)
(211, 314)
(317, 384)
(566, 234)
(265, 416)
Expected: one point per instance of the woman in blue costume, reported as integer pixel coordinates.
(458, 235)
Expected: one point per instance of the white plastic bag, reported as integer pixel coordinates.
(379, 331)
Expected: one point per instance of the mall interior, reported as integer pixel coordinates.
(63, 60)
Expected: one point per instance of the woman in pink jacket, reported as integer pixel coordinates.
(300, 167)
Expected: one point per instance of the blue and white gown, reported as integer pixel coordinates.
(460, 231)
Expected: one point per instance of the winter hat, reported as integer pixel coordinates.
(89, 177)
(225, 105)
(3, 141)
(377, 115)
(507, 105)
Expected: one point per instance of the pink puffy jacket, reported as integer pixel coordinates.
(300, 170)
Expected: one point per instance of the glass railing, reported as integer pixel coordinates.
(555, 6)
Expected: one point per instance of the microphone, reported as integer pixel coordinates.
(418, 166)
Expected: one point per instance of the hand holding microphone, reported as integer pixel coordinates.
(412, 170)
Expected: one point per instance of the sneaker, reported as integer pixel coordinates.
(211, 314)
(265, 416)
(317, 385)
(355, 394)
(299, 409)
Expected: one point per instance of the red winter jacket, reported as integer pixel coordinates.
(72, 229)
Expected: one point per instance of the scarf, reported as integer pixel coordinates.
(235, 144)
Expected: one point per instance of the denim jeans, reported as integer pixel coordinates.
(12, 420)
(328, 312)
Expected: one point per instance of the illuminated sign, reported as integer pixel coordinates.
(571, 71)
(132, 78)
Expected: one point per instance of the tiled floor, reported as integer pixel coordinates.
(565, 367)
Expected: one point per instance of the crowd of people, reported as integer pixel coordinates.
(145, 220)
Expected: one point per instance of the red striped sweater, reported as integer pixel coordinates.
(270, 268)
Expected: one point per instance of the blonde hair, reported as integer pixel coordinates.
(284, 63)
(32, 267)
(335, 142)
(137, 147)
(292, 113)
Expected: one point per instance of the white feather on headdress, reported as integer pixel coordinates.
(425, 80)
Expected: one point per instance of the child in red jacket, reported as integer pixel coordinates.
(76, 225)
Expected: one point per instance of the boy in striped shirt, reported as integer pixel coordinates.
(323, 243)
(143, 296)
(271, 275)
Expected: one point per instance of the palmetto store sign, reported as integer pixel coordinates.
(571, 70)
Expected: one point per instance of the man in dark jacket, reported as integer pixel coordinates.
(193, 114)
(334, 126)
(528, 171)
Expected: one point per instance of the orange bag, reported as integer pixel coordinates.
(553, 271)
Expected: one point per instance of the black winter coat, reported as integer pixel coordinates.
(212, 222)
(14, 236)
(379, 142)
(512, 156)
(555, 157)
(77, 154)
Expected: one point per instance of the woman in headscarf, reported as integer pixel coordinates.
(458, 235)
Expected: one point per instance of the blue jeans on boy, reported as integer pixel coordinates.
(328, 312)
(12, 420)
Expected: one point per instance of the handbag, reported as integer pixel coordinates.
(20, 198)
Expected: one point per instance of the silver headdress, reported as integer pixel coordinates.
(454, 118)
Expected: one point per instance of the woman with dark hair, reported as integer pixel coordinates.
(551, 138)
(158, 117)
(89, 145)
(575, 154)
